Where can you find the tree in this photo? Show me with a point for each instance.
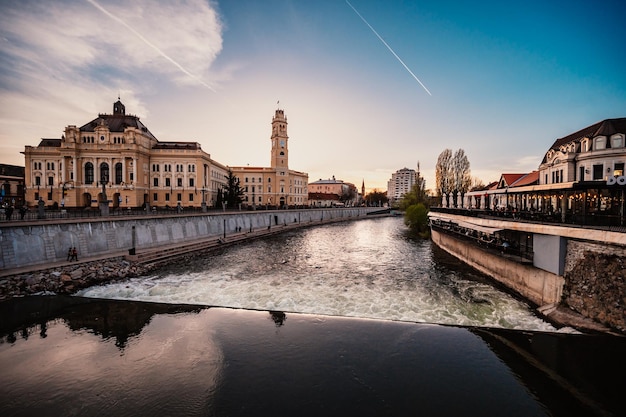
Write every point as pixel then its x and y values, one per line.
pixel 416 217
pixel 232 192
pixel 443 175
pixel 461 178
pixel 347 194
pixel 376 198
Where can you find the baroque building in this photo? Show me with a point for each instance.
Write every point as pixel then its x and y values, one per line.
pixel 276 185
pixel 115 158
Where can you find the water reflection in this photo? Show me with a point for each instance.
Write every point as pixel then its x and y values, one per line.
pixel 99 357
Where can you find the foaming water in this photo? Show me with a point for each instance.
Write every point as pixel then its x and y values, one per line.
pixel 366 269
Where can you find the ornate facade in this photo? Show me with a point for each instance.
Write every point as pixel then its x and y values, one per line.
pixel 115 158
pixel 276 185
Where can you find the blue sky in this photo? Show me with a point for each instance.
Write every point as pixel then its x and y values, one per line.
pixel 506 78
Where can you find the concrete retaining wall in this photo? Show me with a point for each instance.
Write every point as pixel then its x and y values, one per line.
pixel 538 286
pixel 32 243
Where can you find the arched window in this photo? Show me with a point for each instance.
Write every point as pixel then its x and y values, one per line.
pixel 104 172
pixel 118 173
pixel 617 141
pixel 88 173
pixel 599 143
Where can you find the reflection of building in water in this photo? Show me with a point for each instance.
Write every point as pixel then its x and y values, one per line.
pixel 118 152
pixel 118 319
pixel 579 180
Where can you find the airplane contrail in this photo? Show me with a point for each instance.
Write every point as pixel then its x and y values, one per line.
pixel 389 47
pixel 150 44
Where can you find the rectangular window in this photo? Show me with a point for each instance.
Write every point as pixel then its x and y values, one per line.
pixel 37 180
pixel 155 197
pixel 50 181
pixel 190 197
pixel 132 177
pixel 168 182
pixel 618 170
pixel 191 182
pixel 36 196
pixel 167 196
pixel 598 171
pixel 562 179
pixel 179 182
pixel 179 197
pixel 581 175
pixel 155 182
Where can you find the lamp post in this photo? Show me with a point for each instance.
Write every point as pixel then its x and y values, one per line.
pixel 203 204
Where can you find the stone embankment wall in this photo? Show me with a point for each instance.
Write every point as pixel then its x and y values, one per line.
pixel 595 282
pixel 70 278
pixel 538 286
pixel 23 244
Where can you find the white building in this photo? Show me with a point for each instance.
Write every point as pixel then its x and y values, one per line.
pixel 401 182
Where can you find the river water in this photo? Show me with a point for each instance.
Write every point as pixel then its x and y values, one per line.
pixel 340 339
pixel 367 269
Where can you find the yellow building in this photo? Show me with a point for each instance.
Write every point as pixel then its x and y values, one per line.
pixel 276 185
pixel 117 154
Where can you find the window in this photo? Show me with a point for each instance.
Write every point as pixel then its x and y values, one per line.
pixel 598 171
pixel 179 197
pixel 155 197
pixel 167 196
pixel 132 177
pixel 118 173
pixel 599 143
pixel 269 180
pixel 155 167
pixel 155 182
pixel 168 182
pixel 581 175
pixel 617 141
pixel 191 182
pixel 618 170
pixel 179 182
pixel 104 172
pixel 37 180
pixel 191 168
pixel 190 197
pixel 260 179
pixel 89 173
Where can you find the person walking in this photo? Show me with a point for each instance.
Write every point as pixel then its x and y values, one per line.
pixel 23 210
pixel 69 254
pixel 74 254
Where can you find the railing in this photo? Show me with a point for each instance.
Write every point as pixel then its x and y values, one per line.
pixel 93 212
pixel 596 220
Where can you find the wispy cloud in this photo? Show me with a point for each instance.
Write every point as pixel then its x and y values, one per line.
pixel 78 55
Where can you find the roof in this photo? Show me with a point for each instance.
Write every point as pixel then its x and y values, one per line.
pixel 506 180
pixel 11 170
pixel 116 123
pixel 50 142
pixel 531 178
pixel 606 127
pixel 177 145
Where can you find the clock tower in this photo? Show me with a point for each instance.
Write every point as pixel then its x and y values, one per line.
pixel 280 141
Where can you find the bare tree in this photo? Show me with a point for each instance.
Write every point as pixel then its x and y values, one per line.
pixel 461 177
pixel 443 175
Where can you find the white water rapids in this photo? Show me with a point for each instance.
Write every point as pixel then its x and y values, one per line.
pixel 366 268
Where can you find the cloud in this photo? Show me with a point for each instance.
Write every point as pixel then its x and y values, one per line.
pixel 82 41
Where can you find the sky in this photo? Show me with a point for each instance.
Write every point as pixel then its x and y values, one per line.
pixel 368 86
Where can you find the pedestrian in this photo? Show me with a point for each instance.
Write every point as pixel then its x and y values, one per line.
pixel 69 254
pixel 9 212
pixel 74 254
pixel 23 210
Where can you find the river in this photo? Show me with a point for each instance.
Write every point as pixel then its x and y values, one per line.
pixel 349 331
pixel 367 269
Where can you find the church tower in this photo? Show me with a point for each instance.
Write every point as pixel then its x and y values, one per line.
pixel 280 141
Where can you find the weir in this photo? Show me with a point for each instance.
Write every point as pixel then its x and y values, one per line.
pixel 42 242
